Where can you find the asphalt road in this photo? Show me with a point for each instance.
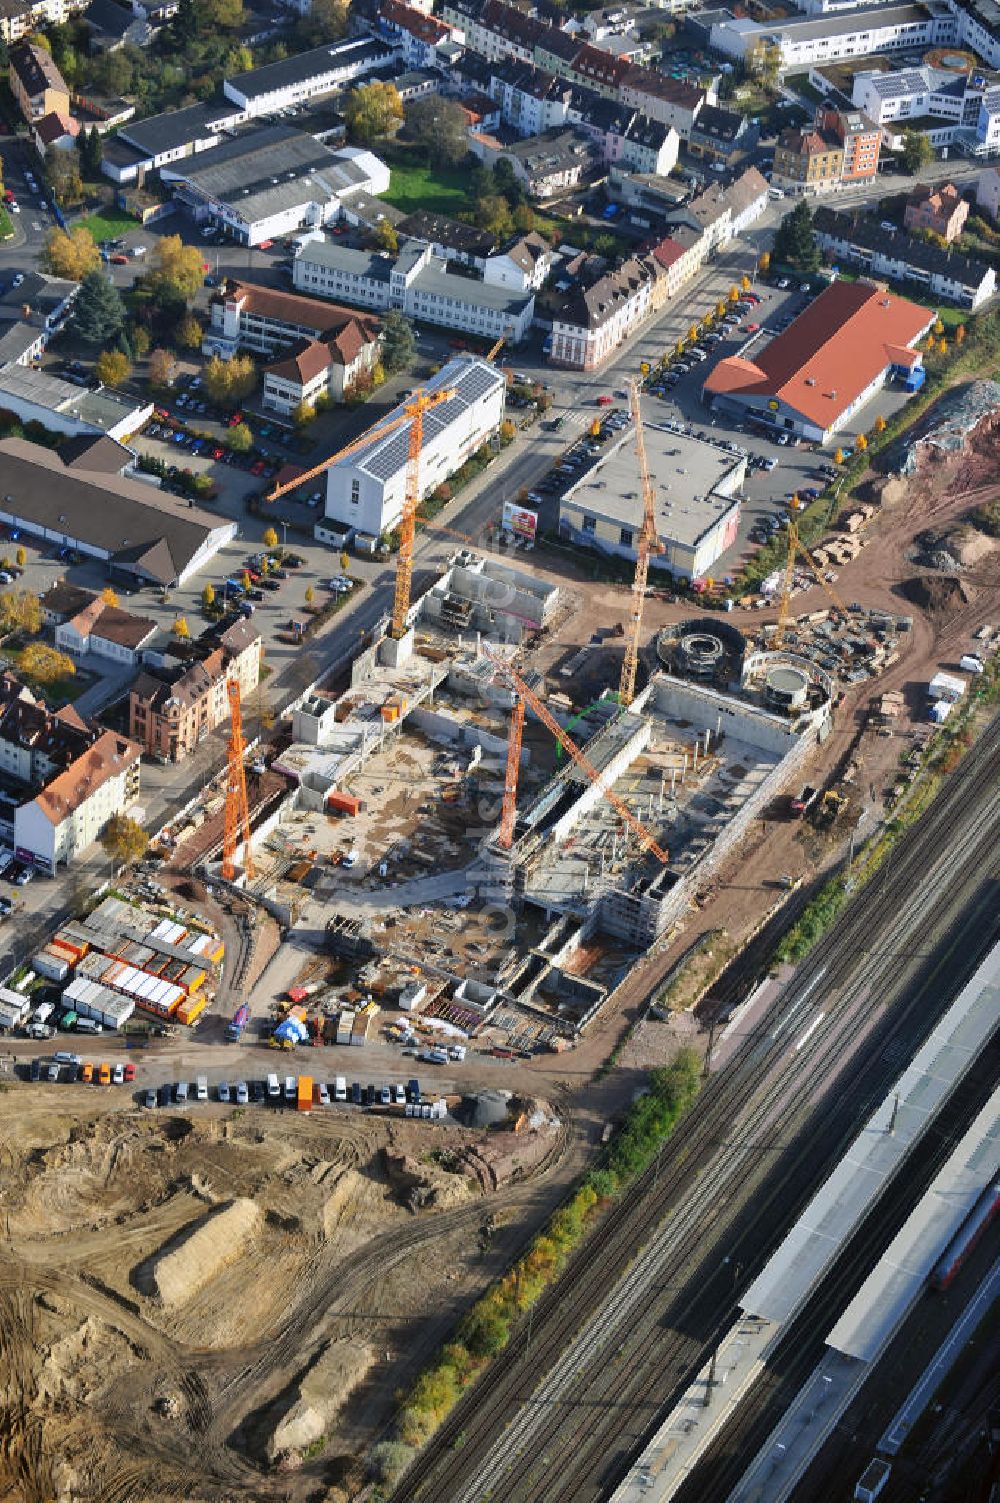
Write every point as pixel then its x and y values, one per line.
pixel 576 1395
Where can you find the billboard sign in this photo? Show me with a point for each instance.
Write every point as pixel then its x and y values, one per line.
pixel 520 520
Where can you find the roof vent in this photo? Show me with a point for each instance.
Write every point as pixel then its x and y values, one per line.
pixel 810 380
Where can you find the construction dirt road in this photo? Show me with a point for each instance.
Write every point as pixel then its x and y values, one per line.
pixel 187 1302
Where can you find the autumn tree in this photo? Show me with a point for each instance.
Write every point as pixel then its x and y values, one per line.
pixel 112 367
pixel 764 261
pixel 124 840
pixel 70 254
pixel 240 439
pixel 162 369
pixel 493 215
pixel 310 595
pixel 228 381
pixel 45 665
pixel 20 611
pixel 181 628
pixel 21 558
pixel 303 414
pixel 373 110
pixel 942 346
pixel 109 596
pixel 960 334
pixel 208 597
pixel 385 237
pixel 745 282
pixel 345 562
pixel 838 457
pixel 938 326
pixel 734 294
pixel 177 268
pixel 861 443
pixel 880 424
pixel 270 538
pixel 190 333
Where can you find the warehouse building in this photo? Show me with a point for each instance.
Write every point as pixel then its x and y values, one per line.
pixel 64 408
pixel 804 40
pixel 697 486
pixel 365 490
pixel 139 532
pixel 271 180
pixel 416 282
pixel 811 380
pixel 307 75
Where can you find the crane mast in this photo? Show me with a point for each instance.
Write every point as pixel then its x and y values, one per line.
pixel 237 815
pixel 648 542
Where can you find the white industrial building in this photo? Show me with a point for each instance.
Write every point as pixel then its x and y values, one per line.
pixel 272 180
pixel 833 29
pixel 365 490
pixel 697 485
pixel 307 75
pixel 418 283
pixel 949 107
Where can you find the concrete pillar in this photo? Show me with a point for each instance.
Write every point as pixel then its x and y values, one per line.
pixel 393 654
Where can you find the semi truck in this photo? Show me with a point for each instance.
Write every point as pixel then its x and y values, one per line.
pixel 237 1023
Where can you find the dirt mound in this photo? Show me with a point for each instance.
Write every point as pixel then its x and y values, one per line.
pixel 970 546
pixel 938 595
pixel 190 1262
pixel 319 1396
pixel 421 1185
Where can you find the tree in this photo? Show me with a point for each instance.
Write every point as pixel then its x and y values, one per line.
pixel 62 173
pixel 692 333
pixel 493 215
pixel 21 558
pixel 177 267
pixel 71 255
pixel 208 597
pixel 20 611
pixel 124 840
pixel 720 308
pixel 838 457
pixel 98 313
pixel 942 346
pixel 960 334
pixel 399 344
pixel 917 151
pixel 507 430
pixel 112 367
pixel 91 152
pixel 764 261
pixel 108 596
pixel 310 595
pixel 438 127
pixel 524 219
pixel 270 538
pixel 385 237
pixel 938 326
pixel 345 562
pixel 45 665
pixel 880 424
pixel 140 340
pixel 373 110
pixel 795 242
pixel 245 580
pixel 181 628
pixel 734 294
pixel 745 282
pixel 190 333
pixel 861 443
pixel 326 22
pixel 240 439
pixel 507 183
pixel 304 414
pixel 162 369
pixel 217 379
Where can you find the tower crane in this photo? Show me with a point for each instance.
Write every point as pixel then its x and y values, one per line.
pixel 649 542
pixel 412 413
pixel 509 808
pixel 798 549
pixel 529 698
pixel 237 814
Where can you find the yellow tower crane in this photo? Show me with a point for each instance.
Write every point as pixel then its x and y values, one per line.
pixel 798 549
pixel 649 542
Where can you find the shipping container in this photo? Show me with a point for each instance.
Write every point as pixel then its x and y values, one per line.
pixel 342 803
pixel 52 967
pixel 305 1094
pixel 345 1026
pixel 189 1011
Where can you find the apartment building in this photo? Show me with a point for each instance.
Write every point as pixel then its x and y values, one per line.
pixel 671 101
pixel 365 490
pixel 18 18
pixel 944 274
pixel 807 158
pixel 591 322
pixel 988 192
pixel 38 87
pixel 858 32
pixel 523 265
pixel 173 708
pixel 710 215
pixel 423 40
pixel 943 211
pixel 545 165
pixel 416 282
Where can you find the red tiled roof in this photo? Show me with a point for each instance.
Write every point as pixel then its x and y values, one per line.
pixel 830 355
pixel 289 307
pixel 424 28
pixel 305 362
pixel 109 755
pixel 667 252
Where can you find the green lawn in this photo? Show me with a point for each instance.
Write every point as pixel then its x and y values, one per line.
pixel 108 224
pixel 439 190
pixel 6 227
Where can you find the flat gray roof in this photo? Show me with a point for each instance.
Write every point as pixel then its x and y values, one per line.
pixel 261 172
pixel 876 1153
pixel 304 66
pixel 102 409
pixel 685 472
pixel 801 27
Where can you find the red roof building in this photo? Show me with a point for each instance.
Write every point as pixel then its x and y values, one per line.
pixel 810 381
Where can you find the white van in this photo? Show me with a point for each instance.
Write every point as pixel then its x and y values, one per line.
pixel 273 1088
pixel 201 1088
pixel 39 1031
pixel 89 1025
pixel 43 1012
pixel 773 192
pixel 340 1088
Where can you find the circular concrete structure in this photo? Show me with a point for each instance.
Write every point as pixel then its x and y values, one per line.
pixel 700 653
pixel 706 647
pixel 952 60
pixel 785 686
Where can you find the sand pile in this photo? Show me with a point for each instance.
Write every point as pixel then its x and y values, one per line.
pixel 200 1253
pixel 322 1391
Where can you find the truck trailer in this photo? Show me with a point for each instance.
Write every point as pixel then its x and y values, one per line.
pixel 237 1023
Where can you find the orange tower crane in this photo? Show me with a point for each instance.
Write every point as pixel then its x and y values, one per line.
pixel 509 809
pixel 237 821
pixel 649 542
pixel 412 413
pixel 528 696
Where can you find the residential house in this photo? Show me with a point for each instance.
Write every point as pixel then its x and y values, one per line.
pixel 38 87
pixel 523 265
pixel 590 322
pixel 669 100
pixel 18 18
pixel 944 274
pixel 531 100
pixel 679 255
pixel 449 238
pixel 747 199
pixel 172 709
pixel 600 71
pixel 545 165
pixel 710 214
pixel 650 146
pixel 860 139
pixel 719 134
pixel 112 26
pixel 807 158
pixel 418 36
pixel 943 211
pixel 55 130
pixel 107 631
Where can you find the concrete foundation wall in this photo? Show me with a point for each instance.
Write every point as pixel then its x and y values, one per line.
pixel 708 710
pixel 591 792
pixel 441 727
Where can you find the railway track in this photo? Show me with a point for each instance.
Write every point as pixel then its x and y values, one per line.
pixel 573 1398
